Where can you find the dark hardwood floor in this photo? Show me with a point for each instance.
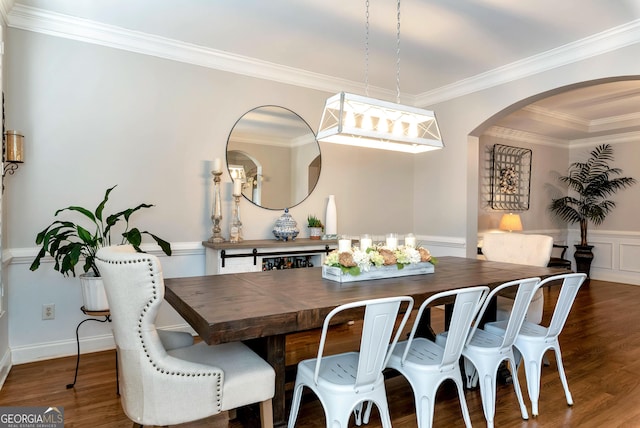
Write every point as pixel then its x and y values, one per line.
pixel 601 352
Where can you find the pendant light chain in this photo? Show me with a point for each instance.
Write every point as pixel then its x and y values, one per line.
pixel 366 51
pixel 361 121
pixel 398 60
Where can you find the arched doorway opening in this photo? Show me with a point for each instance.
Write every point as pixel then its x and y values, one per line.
pixel 557 125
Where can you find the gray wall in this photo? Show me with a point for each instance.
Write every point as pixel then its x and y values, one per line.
pixel 546 162
pixel 5 357
pixel 95 116
pixel 551 161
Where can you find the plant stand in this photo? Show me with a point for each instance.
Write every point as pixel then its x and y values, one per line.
pixel 584 257
pixel 107 318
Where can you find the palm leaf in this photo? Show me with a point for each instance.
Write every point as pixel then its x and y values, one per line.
pixel 592 182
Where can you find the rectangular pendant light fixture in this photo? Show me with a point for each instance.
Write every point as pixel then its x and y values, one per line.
pixel 368 122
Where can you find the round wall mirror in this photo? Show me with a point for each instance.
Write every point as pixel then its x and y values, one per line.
pixel 275 154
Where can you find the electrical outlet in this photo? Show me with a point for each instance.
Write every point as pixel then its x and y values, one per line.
pixel 48 311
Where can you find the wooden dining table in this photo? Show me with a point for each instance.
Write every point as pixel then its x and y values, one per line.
pixel 265 307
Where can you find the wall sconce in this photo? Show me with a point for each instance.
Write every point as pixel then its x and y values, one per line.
pixel 12 151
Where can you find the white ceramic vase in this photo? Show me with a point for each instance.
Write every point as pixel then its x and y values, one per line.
pixel 331 218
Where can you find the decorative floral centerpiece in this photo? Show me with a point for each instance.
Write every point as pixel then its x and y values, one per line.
pixel 356 261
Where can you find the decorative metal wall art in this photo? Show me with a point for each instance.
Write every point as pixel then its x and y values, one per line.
pixel 510 178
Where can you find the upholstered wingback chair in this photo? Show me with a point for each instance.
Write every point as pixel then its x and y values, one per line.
pixel 522 249
pixel 160 387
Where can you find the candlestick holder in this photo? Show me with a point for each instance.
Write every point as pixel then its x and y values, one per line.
pixel 216 214
pixel 235 232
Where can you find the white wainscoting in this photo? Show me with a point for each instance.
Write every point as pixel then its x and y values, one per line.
pixel 617 259
pixel 33 339
pixel 616 255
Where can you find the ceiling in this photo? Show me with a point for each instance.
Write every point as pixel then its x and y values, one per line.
pixel 447 48
pixel 576 115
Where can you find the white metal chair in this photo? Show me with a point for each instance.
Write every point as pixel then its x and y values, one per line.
pixel 426 364
pixel 160 387
pixel 484 351
pixel 524 249
pixel 534 340
pixel 344 382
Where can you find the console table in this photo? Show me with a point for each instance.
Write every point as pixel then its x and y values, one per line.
pixel 265 254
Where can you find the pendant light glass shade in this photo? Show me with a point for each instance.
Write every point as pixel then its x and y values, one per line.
pixel 368 122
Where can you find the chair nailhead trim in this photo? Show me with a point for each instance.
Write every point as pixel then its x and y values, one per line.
pixel 141 319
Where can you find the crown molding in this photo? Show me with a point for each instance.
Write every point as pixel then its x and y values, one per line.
pixel 597 44
pixel 581 124
pixel 614 121
pixel 511 134
pixel 628 137
pixel 84 30
pixel 568 120
pixel 5 7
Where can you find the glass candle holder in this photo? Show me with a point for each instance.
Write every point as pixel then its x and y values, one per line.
pixel 235 227
pixel 365 242
pixel 344 245
pixel 410 240
pixel 392 241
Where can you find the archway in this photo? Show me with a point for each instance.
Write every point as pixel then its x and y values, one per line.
pixel 606 93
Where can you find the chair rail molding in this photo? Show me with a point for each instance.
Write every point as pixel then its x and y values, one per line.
pixel 617 259
pixel 26 255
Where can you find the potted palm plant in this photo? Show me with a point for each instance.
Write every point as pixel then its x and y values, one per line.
pixel 591 183
pixel 68 242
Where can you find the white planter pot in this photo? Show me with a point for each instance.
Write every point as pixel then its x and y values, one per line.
pixel 315 232
pixel 93 294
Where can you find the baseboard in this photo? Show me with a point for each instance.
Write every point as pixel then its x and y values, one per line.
pixel 631 278
pixel 66 348
pixel 63 348
pixel 5 367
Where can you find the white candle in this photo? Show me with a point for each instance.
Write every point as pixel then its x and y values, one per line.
pixel 217 165
pixel 237 187
pixel 344 245
pixel 410 240
pixel 365 242
pixel 392 241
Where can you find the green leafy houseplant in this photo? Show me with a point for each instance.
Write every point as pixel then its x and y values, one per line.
pixel 315 227
pixel 313 221
pixel 592 183
pixel 67 242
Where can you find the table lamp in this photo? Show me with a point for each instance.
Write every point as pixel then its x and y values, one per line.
pixel 510 222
